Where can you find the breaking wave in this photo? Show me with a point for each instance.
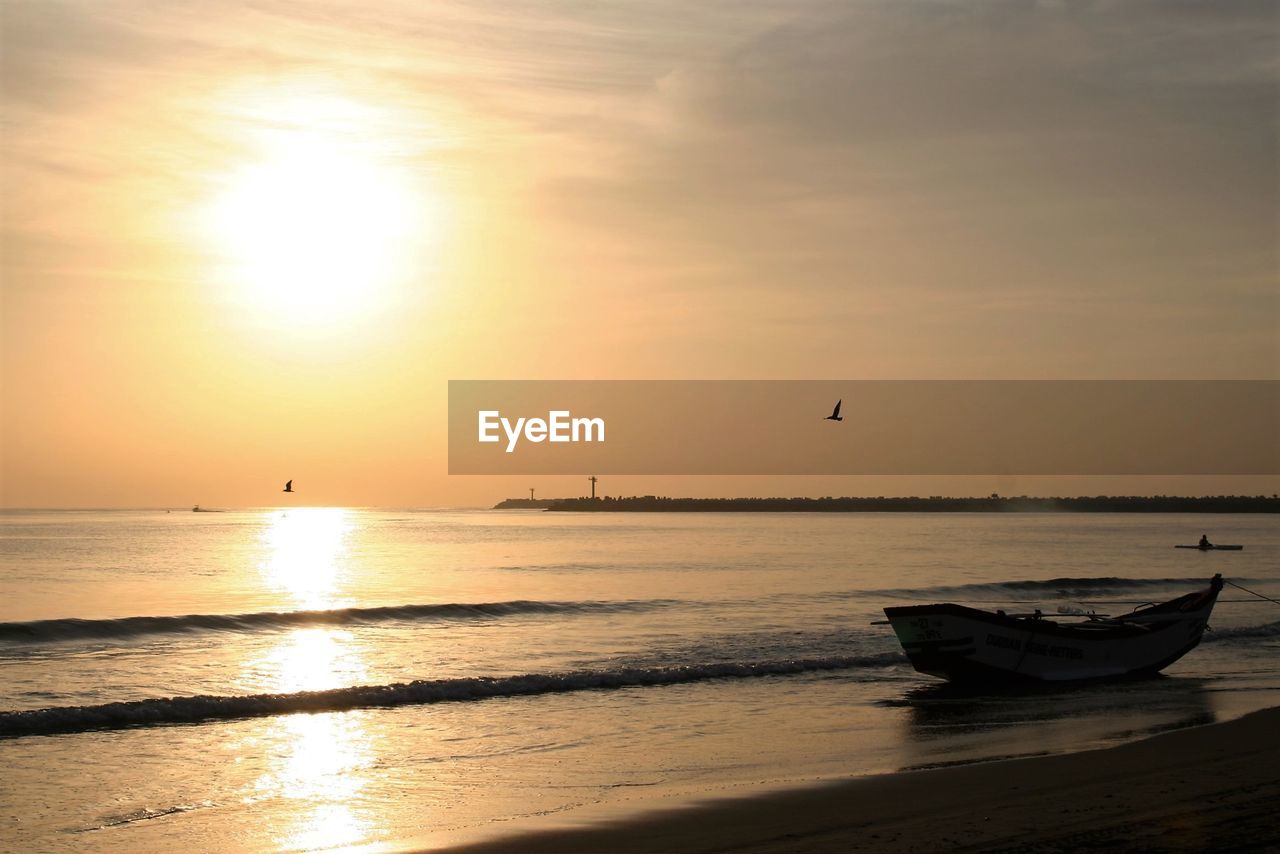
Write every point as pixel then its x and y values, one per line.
pixel 38 631
pixel 185 710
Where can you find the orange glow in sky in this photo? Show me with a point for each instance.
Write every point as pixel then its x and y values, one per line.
pixel 256 244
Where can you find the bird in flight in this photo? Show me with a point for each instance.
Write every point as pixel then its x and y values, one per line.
pixel 835 413
pixel 288 487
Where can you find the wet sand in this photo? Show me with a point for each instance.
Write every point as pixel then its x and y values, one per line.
pixel 1211 788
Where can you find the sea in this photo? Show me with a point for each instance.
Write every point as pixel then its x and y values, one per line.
pixel 299 679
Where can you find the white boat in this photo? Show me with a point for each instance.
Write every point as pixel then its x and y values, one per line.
pixel 967 644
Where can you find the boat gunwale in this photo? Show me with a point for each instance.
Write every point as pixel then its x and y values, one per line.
pixel 1098 630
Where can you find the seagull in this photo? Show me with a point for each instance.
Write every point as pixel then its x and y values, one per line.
pixel 835 413
pixel 288 487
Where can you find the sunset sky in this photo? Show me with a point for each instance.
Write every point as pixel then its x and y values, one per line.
pixel 251 241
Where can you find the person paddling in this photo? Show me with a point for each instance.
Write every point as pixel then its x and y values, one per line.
pixel 1204 542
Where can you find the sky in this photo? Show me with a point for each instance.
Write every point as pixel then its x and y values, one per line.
pixel 251 241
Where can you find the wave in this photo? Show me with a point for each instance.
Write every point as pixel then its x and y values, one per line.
pixel 144 814
pixel 39 631
pixel 1266 630
pixel 186 710
pixel 1073 587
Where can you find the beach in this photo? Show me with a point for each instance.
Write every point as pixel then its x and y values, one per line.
pixel 1207 788
pixel 388 680
pixel 639 426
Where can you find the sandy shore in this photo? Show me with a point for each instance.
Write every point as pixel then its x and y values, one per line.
pixel 1212 788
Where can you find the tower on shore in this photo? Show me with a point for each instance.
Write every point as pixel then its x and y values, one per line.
pixel 593 485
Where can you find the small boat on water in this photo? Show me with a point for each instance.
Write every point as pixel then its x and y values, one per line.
pixel 967 644
pixel 1213 548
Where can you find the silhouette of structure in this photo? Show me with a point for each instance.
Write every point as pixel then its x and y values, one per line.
pixel 531 503
pixel 932 504
pixel 593 487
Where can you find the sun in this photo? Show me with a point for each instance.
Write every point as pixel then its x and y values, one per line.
pixel 323 221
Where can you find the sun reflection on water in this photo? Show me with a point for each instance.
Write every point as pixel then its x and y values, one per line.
pixel 312 659
pixel 318 764
pixel 306 554
pixel 322 773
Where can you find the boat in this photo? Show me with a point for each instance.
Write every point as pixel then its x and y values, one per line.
pixel 970 645
pixel 199 509
pixel 1213 548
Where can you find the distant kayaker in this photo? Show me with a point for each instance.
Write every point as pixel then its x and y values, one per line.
pixel 1204 542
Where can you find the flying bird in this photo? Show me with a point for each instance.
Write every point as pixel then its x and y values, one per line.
pixel 288 487
pixel 835 413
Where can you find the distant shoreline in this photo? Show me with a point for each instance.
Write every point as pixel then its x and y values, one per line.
pixel 933 504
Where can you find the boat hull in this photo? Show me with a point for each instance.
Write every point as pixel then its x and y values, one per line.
pixel 966 644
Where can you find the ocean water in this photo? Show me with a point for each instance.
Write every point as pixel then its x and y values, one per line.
pixel 315 678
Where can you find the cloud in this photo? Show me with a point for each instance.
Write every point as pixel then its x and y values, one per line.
pixel 974 144
pixel 908 165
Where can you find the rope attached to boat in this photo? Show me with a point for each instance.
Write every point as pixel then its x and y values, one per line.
pixel 1254 592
